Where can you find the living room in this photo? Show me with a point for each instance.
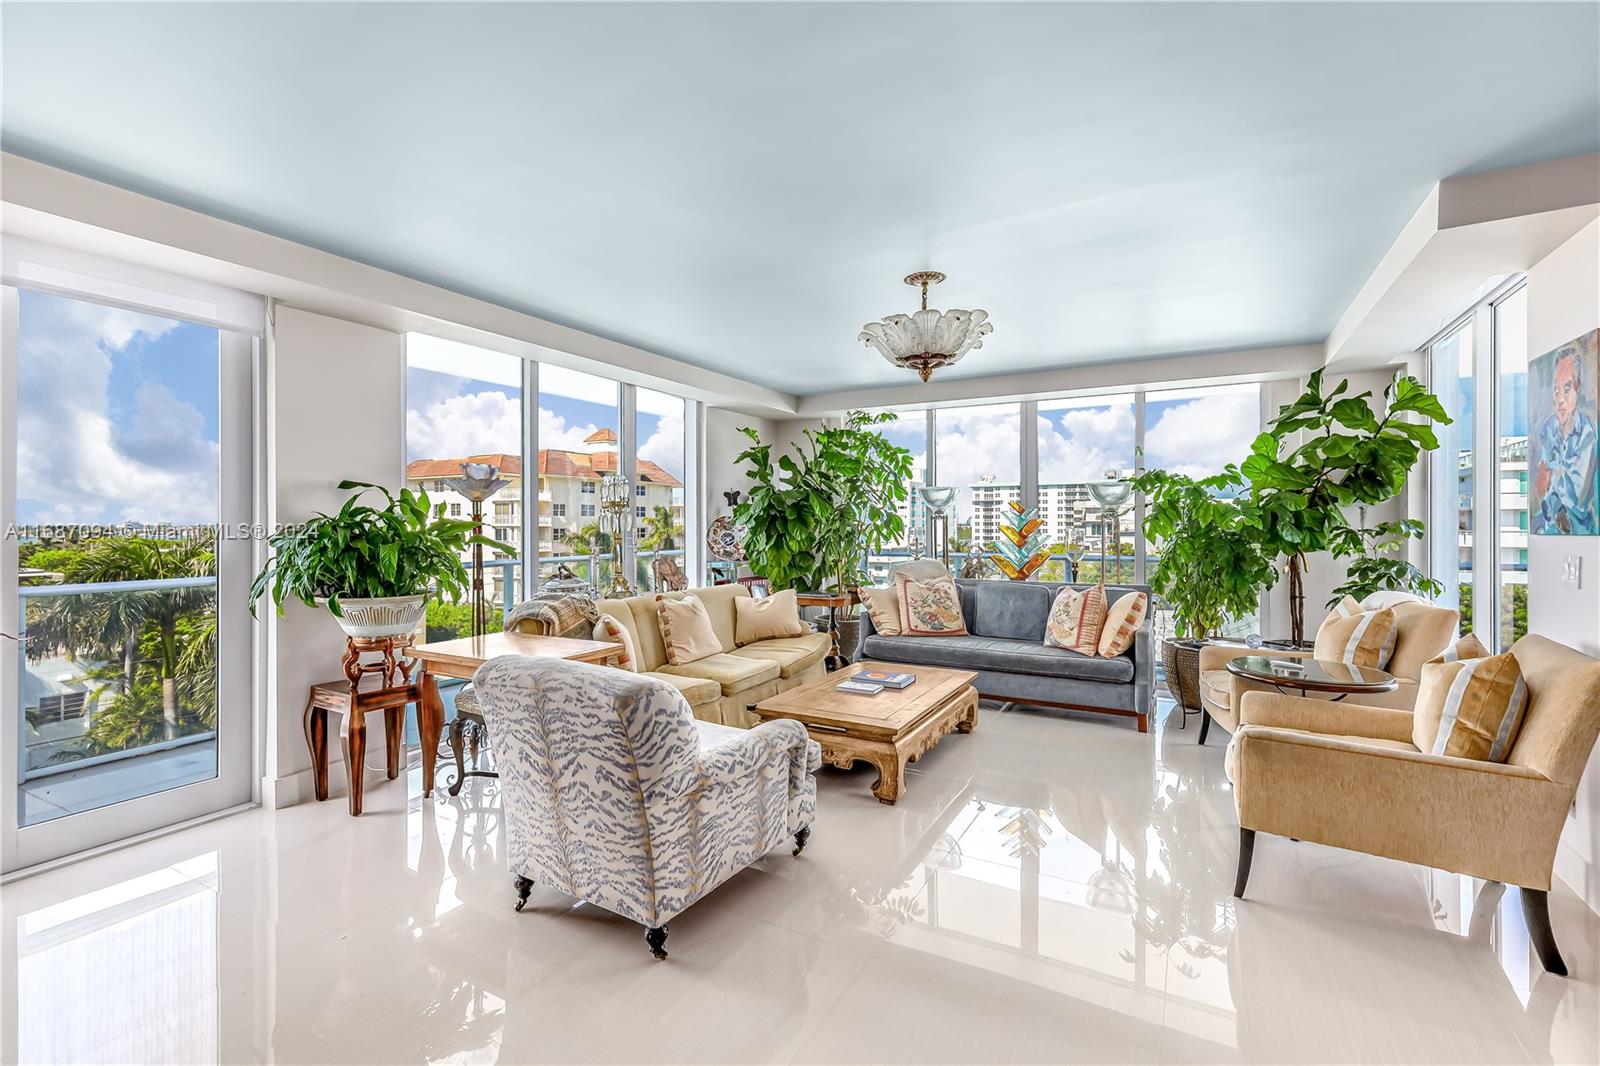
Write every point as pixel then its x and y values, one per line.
pixel 1085 550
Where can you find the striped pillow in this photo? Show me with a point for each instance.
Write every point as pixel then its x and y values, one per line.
pixel 1347 608
pixel 1470 709
pixel 1468 647
pixel 1076 618
pixel 1123 620
pixel 1365 638
pixel 608 628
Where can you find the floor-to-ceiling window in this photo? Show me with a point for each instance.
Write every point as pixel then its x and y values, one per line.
pixel 660 471
pixel 464 404
pixel 909 430
pixel 1478 367
pixel 124 442
pixel 978 451
pixel 579 440
pixel 1082 441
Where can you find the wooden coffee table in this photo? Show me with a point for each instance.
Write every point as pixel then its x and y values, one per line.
pixel 888 730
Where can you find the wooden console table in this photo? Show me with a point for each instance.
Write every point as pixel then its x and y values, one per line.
pixel 461 658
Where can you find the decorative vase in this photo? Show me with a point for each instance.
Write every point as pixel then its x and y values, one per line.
pixel 384 616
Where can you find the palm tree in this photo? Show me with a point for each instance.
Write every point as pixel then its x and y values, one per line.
pixel 113 622
pixel 661 530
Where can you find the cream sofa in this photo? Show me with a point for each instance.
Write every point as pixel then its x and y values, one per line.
pixel 1351 777
pixel 1422 631
pixel 720 688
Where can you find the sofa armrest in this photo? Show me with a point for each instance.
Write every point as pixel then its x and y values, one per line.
pixel 1489 820
pixel 1144 666
pixel 1322 716
pixel 864 630
pixel 733 757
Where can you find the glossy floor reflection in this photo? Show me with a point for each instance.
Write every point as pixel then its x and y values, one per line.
pixel 1053 888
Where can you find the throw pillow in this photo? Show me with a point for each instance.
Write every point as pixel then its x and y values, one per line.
pixel 884 610
pixel 1471 709
pixel 1123 620
pixel 1468 647
pixel 1076 619
pixel 686 629
pixel 1365 638
pixel 608 628
pixel 1348 608
pixel 777 615
pixel 929 608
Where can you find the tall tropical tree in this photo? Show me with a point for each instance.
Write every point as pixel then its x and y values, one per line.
pixel 661 530
pixel 130 624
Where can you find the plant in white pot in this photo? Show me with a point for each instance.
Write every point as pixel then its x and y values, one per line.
pixel 372 567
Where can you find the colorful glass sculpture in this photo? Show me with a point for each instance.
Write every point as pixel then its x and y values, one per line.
pixel 1020 548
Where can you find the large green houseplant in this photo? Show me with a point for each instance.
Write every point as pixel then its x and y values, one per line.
pixel 390 556
pixel 1299 496
pixel 811 517
pixel 1207 569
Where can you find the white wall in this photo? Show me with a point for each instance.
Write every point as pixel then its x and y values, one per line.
pixel 1564 302
pixel 333 411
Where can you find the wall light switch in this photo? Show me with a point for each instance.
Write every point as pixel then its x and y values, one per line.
pixel 1572 572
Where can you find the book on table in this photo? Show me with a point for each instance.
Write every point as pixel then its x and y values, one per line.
pixel 885 678
pixel 860 688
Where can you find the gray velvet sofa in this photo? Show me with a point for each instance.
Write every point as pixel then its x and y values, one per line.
pixel 1005 647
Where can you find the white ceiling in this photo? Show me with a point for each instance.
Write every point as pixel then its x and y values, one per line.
pixel 741 186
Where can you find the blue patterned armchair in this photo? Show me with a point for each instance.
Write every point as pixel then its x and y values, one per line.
pixel 614 793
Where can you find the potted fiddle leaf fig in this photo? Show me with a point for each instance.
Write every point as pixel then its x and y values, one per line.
pixel 1350 456
pixel 812 517
pixel 1207 569
pixel 372 567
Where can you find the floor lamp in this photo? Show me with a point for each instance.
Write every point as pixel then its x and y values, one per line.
pixel 1110 495
pixel 478 481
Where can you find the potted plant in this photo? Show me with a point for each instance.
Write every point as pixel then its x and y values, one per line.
pixel 812 517
pixel 1208 570
pixel 372 567
pixel 1351 456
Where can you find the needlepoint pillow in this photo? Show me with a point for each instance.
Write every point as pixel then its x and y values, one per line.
pixel 1076 619
pixel 884 609
pixel 930 608
pixel 1468 647
pixel 1123 620
pixel 777 615
pixel 608 628
pixel 1471 708
pixel 686 629
pixel 1361 638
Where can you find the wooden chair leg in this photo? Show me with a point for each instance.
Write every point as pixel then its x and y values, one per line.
pixel 1247 851
pixel 1536 912
pixel 394 724
pixel 353 738
pixel 316 727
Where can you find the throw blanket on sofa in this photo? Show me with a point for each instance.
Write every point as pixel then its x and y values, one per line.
pixel 555 615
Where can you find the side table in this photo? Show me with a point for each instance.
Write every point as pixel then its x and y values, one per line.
pixel 833 601
pixel 384 686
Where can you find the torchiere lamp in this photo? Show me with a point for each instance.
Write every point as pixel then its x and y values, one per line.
pixel 478 481
pixel 616 497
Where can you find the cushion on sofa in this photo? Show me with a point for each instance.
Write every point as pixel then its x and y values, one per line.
pixel 734 673
pixel 697 690
pixel 792 654
pixel 769 618
pixel 1000 655
pixel 1016 610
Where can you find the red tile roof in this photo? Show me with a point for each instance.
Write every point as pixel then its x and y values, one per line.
pixel 552 463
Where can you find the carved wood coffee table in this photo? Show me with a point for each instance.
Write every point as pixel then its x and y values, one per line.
pixel 888 730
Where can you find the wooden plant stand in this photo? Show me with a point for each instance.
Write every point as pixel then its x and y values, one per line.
pixel 383 685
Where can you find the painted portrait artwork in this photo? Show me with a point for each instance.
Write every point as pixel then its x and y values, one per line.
pixel 1563 448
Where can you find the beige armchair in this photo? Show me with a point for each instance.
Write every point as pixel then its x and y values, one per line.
pixel 1422 631
pixel 1350 777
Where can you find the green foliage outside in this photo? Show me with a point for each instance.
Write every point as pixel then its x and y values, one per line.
pixel 810 518
pixel 156 649
pixel 448 620
pixel 1513 604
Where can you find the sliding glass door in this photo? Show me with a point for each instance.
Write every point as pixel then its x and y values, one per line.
pixel 125 669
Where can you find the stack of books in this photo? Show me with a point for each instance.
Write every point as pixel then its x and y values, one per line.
pixel 872 682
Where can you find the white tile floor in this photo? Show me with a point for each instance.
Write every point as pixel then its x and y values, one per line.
pixel 1052 888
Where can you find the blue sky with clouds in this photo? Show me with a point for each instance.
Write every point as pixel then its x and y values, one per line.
pixel 116 415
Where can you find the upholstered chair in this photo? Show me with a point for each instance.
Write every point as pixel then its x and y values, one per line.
pixel 1350 776
pixel 1422 630
pixel 614 793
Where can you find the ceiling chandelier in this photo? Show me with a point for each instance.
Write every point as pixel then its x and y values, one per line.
pixel 928 339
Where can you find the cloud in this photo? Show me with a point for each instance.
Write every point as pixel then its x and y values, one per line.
pixel 1085 443
pixel 974 443
pixel 473 423
pixel 1199 437
pixel 556 432
pixel 75 463
pixel 665 445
